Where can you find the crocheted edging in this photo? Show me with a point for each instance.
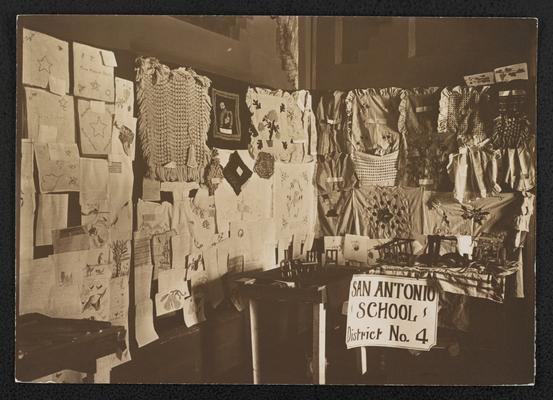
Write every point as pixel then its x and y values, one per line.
pixel 151 68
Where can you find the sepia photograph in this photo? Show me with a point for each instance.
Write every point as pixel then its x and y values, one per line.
pixel 275 199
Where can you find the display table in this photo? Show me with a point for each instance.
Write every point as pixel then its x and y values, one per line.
pixel 329 284
pixel 47 345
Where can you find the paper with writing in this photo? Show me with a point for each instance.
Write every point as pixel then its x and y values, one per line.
pixel 52 214
pixel 144 323
pixel 75 238
pixel 36 279
pixel 92 79
pixel 45 108
pixel 61 173
pixel 151 190
pixel 44 56
pixel 95 127
pixel 94 178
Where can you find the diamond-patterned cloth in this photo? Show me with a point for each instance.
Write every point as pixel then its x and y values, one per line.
pixel 236 172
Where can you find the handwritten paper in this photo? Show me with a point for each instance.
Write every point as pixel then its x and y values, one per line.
pixel 36 279
pixel 44 57
pixel 52 214
pixel 75 238
pixel 94 178
pixel 142 283
pixel 92 79
pixel 151 190
pixel 144 323
pixel 43 108
pixel 180 248
pixel 58 167
pixel 124 101
pixel 121 180
pixel 47 134
pixel 95 124
pixel 26 202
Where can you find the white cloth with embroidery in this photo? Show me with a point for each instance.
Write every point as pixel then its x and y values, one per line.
pixel 278 124
pixel 252 204
pixel 294 199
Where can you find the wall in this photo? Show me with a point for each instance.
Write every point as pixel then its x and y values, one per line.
pixel 253 57
pixel 407 52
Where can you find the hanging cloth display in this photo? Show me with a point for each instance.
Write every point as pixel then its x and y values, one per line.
pixel 423 153
pixel 373 120
pixel 331 122
pixel 174 110
pixel 464 111
pixel 277 125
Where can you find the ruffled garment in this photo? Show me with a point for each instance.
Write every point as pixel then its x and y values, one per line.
pixel 474 172
pixel 463 112
pixel 174 111
pixel 373 120
pixel 278 126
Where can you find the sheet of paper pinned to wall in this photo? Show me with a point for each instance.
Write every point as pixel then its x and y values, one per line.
pixel 94 178
pixel 75 238
pixel 120 257
pixel 36 279
pixel 52 214
pixel 153 218
pixel 54 115
pixel 142 250
pixel 194 308
pixel 119 314
pixel 44 57
pixel 121 180
pixel 142 283
pixel 58 167
pixel 123 139
pixel 92 79
pixel 95 293
pixel 26 201
pixel 151 189
pixel 180 248
pixel 95 126
pixel 124 101
pixel 144 323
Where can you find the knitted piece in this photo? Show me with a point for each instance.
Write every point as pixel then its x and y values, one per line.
pixel 376 170
pixel 236 172
pixel 264 165
pixel 174 111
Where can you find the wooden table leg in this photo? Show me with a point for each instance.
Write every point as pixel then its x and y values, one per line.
pixel 255 340
pixel 362 360
pixel 319 344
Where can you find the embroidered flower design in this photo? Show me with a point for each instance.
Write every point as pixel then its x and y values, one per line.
pixel 476 214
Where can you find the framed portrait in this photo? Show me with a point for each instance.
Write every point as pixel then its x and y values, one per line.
pixel 226 116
